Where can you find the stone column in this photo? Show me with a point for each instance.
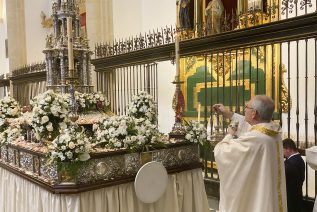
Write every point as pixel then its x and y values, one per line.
pixel 99 19
pixel 16 33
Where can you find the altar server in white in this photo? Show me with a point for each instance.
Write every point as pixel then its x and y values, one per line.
pixel 251 167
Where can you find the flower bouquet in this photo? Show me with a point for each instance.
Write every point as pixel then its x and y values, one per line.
pixel 196 132
pixel 49 115
pixel 143 106
pixel 69 150
pixel 147 138
pixel 10 134
pixel 114 132
pixel 92 101
pixel 9 108
pixel 126 132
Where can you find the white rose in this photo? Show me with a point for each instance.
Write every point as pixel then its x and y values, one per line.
pixel 117 144
pixel 36 109
pixel 62 157
pixel 2 121
pixel 6 100
pixel 133 138
pixel 42 102
pixel 48 98
pixel 63 125
pixel 44 119
pixel 37 136
pixel 49 127
pixel 71 145
pixel 188 136
pixel 69 154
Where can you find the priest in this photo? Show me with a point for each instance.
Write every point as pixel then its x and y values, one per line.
pixel 251 166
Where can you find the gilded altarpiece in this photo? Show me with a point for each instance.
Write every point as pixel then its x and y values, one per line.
pixel 233 83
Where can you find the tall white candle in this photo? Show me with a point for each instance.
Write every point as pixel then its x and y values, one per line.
pixel 177 13
pixel 70 47
pixel 196 14
pixel 198 109
pixel 177 54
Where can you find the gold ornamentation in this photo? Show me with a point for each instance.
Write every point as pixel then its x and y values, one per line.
pixel 270 132
pixel 36 164
pixel 46 22
pixel 145 157
pixel 279 179
pixel 67 172
pixel 17 157
pixel 224 62
pixel 102 168
pixel 189 62
pixel 284 93
pixel 265 130
pixel 49 41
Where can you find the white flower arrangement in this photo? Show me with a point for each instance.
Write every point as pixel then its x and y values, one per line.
pixel 114 132
pixel 196 132
pixel 3 124
pixel 9 108
pixel 143 105
pixel 50 112
pixel 148 137
pixel 72 145
pixel 125 132
pixel 92 101
pixel 10 134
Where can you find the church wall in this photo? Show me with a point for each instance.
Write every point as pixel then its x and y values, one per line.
pixel 132 17
pixel 34 32
pixel 127 18
pixel 99 21
pixel 157 14
pixel 16 33
pixel 4 62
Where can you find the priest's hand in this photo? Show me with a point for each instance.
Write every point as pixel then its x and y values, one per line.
pixel 232 131
pixel 220 109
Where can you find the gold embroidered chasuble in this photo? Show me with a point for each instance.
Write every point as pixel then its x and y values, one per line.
pixel 251 169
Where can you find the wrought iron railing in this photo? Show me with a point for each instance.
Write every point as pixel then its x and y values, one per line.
pixel 119 85
pixel 254 16
pixel 27 69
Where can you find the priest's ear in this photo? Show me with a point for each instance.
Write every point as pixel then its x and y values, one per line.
pixel 255 114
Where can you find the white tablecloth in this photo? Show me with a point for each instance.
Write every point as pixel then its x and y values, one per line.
pixel 185 193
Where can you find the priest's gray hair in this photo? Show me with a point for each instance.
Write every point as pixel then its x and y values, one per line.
pixel 264 105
